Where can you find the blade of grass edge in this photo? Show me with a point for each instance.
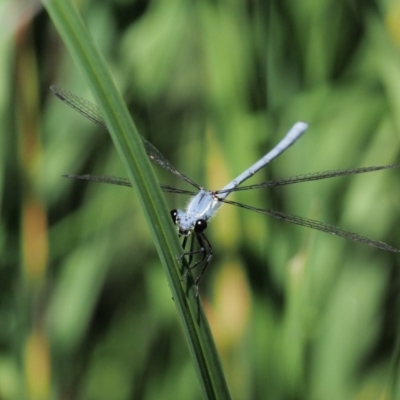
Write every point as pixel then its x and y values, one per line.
pixel 130 149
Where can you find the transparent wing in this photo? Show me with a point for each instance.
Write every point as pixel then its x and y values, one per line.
pixel 312 177
pixel 113 180
pixel 92 112
pixel 320 226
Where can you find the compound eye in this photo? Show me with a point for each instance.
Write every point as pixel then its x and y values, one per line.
pixel 200 225
pixel 174 215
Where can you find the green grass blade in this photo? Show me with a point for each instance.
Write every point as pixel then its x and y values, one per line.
pixel 127 141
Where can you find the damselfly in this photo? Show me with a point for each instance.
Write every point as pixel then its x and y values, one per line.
pixel 192 222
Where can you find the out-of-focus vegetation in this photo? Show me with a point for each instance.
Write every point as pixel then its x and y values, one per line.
pixel 85 309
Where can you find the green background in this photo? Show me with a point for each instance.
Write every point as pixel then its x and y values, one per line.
pixel 85 309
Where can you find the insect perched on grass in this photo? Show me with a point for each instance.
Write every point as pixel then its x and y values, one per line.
pixel 192 222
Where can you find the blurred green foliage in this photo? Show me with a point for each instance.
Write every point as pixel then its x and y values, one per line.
pixel 85 310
